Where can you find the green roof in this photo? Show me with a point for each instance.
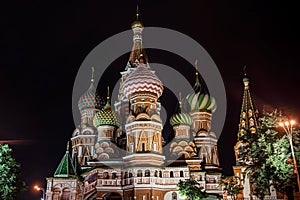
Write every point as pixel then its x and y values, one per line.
pixel 65 168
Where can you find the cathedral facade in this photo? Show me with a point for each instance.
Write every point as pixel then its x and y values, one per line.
pixel 117 151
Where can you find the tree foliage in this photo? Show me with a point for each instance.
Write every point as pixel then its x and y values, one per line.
pixel 269 150
pixel 10 183
pixel 191 189
pixel 231 185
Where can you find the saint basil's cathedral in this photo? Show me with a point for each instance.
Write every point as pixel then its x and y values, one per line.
pixel 117 153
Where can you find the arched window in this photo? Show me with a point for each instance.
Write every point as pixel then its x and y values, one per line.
pixel 160 174
pixel 181 173
pixel 243 123
pixel 251 122
pixel 155 173
pixel 105 175
pixel 114 175
pixel 66 194
pixel 171 174
pixel 147 173
pixel 130 174
pixel 174 196
pixel 56 194
pixel 139 173
pixel 250 113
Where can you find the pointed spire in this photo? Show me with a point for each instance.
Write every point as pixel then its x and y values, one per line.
pixel 137 48
pixel 248 122
pixel 65 167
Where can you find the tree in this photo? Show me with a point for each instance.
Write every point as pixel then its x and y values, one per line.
pixel 10 183
pixel 269 151
pixel 191 189
pixel 231 185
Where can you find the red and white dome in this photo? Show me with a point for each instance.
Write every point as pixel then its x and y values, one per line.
pixel 142 80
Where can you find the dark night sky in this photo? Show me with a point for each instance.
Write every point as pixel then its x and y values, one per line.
pixel 44 44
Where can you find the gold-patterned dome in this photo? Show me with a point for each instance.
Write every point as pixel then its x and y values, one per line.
pixel 137 24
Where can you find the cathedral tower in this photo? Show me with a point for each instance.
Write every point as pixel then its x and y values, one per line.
pixel 144 125
pixel 122 106
pixel 183 145
pixel 85 135
pixel 66 183
pixel 202 106
pixel 247 125
pixel 107 125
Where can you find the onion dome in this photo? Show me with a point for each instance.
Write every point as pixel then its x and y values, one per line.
pixel 200 99
pixel 142 80
pixel 180 118
pixel 106 117
pixel 90 98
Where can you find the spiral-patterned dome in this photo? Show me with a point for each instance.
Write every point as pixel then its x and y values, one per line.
pixel 90 99
pixel 142 80
pixel 181 119
pixel 200 99
pixel 106 117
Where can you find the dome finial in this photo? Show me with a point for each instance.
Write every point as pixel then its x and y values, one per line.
pixel 245 78
pixel 244 70
pixel 196 66
pixel 180 102
pixel 68 146
pixel 197 73
pixel 108 96
pixel 137 22
pixel 93 71
pixel 137 12
pixel 107 106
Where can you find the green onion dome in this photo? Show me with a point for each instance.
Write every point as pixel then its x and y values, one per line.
pixel 106 117
pixel 200 99
pixel 181 119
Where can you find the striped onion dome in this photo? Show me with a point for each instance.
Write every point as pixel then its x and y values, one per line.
pixel 142 80
pixel 90 99
pixel 200 99
pixel 181 119
pixel 106 117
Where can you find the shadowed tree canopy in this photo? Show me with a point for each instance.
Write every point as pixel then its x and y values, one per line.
pixel 270 151
pixel 232 186
pixel 10 184
pixel 191 189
